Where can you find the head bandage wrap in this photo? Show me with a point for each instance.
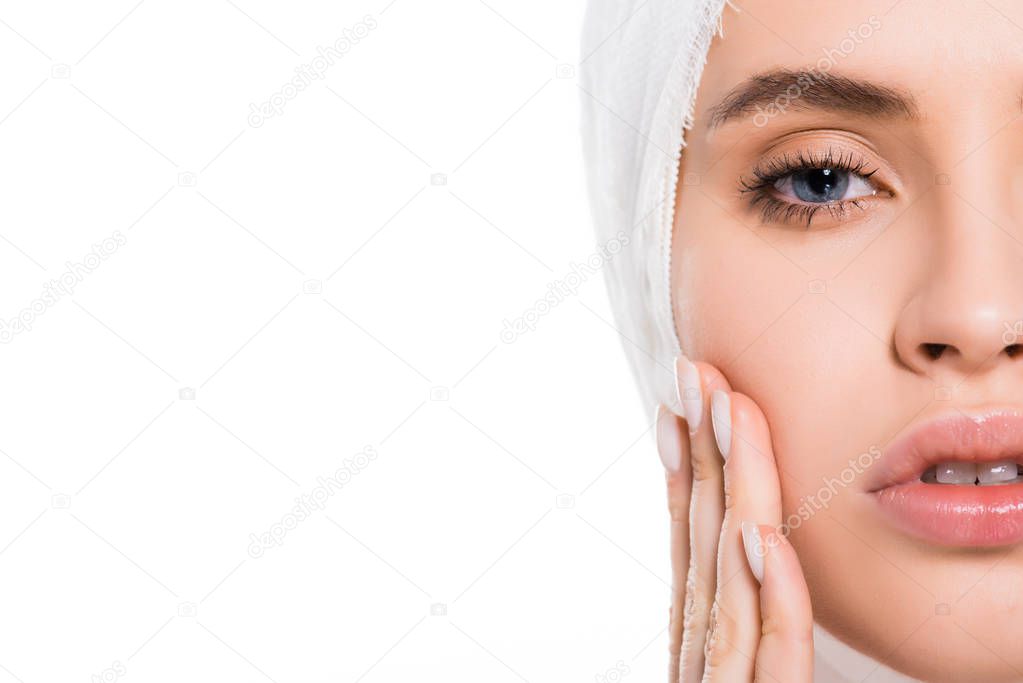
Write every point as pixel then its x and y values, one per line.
pixel 641 65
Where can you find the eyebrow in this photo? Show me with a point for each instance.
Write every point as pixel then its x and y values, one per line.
pixel 774 92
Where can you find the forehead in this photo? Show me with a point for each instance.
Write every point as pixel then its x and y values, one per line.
pixel 951 56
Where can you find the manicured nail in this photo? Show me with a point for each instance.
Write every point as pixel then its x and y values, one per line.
pixel 687 386
pixel 721 417
pixel 754 547
pixel 668 434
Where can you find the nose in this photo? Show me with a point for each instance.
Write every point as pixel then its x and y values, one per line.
pixel 965 316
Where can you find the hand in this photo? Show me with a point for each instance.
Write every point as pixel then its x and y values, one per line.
pixel 740 608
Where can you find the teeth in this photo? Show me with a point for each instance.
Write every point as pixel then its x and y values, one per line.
pixel 996 472
pixel 983 474
pixel 956 473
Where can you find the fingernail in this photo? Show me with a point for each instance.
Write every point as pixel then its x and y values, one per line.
pixel 721 417
pixel 687 386
pixel 754 547
pixel 668 435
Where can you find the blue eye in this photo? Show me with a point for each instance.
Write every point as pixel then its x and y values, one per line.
pixel 823 185
pixel 795 188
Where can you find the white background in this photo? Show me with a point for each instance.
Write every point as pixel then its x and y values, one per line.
pixel 512 525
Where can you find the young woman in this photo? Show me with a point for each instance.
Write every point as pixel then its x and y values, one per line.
pixel 822 298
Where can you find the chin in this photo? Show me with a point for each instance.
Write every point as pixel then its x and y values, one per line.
pixel 928 611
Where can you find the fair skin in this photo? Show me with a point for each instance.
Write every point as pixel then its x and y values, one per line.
pixel 837 312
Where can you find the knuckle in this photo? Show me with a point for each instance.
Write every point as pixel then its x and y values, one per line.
pixel 731 497
pixel 799 632
pixel 719 645
pixel 706 470
pixel 678 509
pixel 696 602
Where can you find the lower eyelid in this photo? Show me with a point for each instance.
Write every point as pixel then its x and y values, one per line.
pixel 780 211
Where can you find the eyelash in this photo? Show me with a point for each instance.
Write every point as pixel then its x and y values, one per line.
pixel 764 175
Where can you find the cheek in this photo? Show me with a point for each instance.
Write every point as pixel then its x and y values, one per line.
pixel 817 375
pixel 728 285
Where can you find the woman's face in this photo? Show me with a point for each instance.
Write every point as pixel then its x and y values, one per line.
pixel 876 290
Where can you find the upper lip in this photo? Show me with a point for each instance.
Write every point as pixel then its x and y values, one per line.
pixel 962 436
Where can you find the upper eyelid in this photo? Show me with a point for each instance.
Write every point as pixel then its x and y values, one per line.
pixel 808 158
pixel 770 170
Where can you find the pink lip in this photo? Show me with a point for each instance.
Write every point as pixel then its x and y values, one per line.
pixel 946 514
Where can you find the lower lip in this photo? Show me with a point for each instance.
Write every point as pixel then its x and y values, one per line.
pixel 949 514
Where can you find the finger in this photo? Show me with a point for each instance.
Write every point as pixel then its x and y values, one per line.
pixel 706 510
pixel 673 449
pixel 752 492
pixel 786 644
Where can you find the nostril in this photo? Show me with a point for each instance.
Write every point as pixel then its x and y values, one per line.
pixel 1012 350
pixel 934 351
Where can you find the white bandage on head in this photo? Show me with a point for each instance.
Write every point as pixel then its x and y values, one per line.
pixel 640 66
